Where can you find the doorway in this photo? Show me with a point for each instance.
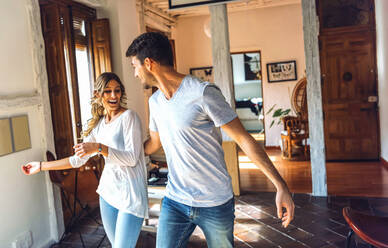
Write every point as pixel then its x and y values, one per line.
pixel 349 79
pixel 248 91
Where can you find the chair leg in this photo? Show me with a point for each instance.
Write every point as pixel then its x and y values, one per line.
pixel 289 149
pixel 349 238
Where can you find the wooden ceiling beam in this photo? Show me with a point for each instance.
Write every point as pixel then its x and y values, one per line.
pixel 158 11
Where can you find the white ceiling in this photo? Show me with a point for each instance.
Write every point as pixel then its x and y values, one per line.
pixel 234 6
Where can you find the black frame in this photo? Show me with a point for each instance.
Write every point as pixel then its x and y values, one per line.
pixel 201 2
pixel 295 76
pixel 203 69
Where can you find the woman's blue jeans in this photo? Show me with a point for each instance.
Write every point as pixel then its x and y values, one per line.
pixel 177 222
pixel 122 228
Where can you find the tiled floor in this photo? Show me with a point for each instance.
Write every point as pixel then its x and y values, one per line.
pixel 318 223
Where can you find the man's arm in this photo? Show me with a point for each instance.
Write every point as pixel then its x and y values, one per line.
pixel 152 144
pixel 255 152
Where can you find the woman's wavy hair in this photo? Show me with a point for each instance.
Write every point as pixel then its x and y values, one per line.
pixel 98 110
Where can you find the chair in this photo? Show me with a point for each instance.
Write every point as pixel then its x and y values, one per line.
pixel 58 177
pixel 296 131
pixel 371 229
pixel 294 138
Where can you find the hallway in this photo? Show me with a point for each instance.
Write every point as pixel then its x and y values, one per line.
pixel 343 178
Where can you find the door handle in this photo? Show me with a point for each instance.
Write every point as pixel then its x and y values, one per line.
pixel 372 98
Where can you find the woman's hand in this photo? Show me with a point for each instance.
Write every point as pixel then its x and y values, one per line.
pixel 31 168
pixel 87 148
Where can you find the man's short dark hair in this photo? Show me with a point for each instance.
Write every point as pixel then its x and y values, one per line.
pixel 151 45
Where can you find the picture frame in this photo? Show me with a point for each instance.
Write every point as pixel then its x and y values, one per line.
pixel 282 71
pixel 252 66
pixel 204 73
pixel 177 4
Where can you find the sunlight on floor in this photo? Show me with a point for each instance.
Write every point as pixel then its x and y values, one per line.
pixel 245 162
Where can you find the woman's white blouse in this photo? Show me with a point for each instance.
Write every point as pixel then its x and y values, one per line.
pixel 123 181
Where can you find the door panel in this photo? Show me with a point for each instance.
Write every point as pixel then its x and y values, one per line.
pixel 349 80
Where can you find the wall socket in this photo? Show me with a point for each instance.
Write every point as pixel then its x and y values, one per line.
pixel 23 240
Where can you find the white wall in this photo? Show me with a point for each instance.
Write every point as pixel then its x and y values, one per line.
pixel 277 32
pixel 382 63
pixel 124 28
pixel 25 204
pixel 28 203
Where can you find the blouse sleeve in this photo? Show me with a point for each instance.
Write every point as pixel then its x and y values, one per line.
pixel 133 143
pixel 76 161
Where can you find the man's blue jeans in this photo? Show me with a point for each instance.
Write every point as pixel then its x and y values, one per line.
pixel 177 222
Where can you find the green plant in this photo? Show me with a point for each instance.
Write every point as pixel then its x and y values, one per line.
pixel 277 114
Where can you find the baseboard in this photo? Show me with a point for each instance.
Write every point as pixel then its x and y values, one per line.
pixel 272 147
pixel 385 162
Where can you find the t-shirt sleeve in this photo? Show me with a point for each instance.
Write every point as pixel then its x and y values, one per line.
pixel 76 161
pixel 216 107
pixel 133 143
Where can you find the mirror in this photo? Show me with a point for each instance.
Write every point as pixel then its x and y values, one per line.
pixel 247 78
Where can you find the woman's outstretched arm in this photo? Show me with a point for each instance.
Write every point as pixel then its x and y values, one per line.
pixel 35 167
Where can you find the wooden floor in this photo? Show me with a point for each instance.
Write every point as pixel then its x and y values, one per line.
pixel 318 220
pixel 318 223
pixel 343 178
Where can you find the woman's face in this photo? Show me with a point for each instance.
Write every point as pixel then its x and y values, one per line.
pixel 111 96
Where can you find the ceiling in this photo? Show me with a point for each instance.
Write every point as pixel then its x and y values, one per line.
pixel 241 5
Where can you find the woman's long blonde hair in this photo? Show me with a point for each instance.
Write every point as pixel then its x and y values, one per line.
pixel 98 110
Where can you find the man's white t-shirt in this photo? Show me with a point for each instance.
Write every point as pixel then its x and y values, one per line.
pixel 188 126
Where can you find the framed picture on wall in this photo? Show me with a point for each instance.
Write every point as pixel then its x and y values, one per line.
pixel 281 71
pixel 203 73
pixel 252 66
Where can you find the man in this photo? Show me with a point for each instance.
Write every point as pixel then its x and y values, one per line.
pixel 185 116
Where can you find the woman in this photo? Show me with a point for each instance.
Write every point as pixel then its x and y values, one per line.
pixel 115 133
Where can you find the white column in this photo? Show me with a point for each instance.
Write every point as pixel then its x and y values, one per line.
pixel 314 98
pixel 222 63
pixel 222 68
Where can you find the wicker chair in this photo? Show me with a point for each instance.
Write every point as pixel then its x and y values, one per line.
pixel 296 131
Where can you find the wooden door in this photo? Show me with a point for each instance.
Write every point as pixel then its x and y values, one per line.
pixel 349 93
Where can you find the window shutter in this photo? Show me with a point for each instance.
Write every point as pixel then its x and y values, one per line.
pixel 101 46
pixel 53 28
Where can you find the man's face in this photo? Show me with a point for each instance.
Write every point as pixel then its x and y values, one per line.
pixel 141 72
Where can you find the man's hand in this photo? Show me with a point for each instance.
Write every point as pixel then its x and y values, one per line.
pixel 284 200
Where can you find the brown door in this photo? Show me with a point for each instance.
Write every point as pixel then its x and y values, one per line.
pixel 349 91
